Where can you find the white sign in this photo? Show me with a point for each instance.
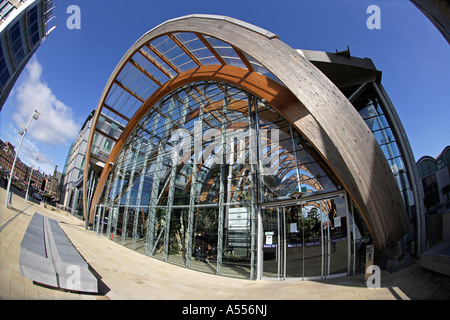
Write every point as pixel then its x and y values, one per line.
pixel 238 218
pixel 269 239
pixel 337 222
pixel 294 227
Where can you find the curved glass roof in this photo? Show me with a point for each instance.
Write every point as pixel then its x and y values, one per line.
pixel 220 107
pixel 162 59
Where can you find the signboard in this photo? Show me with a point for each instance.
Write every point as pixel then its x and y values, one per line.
pixel 337 222
pixel 293 227
pixel 370 250
pixel 239 240
pixel 238 218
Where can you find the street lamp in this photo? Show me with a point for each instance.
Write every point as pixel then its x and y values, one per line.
pixel 29 180
pixel 22 132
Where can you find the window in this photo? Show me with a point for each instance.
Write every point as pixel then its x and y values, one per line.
pixel 427 167
pixel 431 191
pixel 108 145
pixel 95 139
pixel 33 26
pixel 4 72
pixel 113 130
pixel 15 39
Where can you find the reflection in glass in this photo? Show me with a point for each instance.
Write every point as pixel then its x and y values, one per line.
pixel 186 187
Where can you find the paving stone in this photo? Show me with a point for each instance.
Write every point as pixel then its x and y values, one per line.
pixel 130 275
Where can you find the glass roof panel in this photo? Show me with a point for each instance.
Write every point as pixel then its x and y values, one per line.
pixel 113 97
pixel 150 67
pixel 173 53
pixel 197 48
pixel 260 68
pixel 181 108
pixel 226 51
pixel 159 62
pixel 107 113
pixel 164 58
pixel 162 44
pixel 134 80
pixel 129 105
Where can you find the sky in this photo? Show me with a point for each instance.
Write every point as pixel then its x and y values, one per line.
pixel 69 71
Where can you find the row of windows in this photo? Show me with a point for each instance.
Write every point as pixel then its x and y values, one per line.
pixel 4 72
pixel 5 9
pixel 16 39
pixel 430 166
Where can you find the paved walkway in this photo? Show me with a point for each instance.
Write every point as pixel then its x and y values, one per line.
pixel 126 274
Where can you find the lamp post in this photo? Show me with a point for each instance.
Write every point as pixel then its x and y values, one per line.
pixel 29 180
pixel 23 132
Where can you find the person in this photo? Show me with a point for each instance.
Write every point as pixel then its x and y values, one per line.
pixel 198 253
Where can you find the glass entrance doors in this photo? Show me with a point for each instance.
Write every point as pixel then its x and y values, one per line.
pixel 306 239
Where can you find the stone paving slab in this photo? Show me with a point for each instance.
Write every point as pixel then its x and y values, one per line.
pixel 126 274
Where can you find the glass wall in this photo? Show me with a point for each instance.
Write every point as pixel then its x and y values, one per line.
pixel 370 107
pixel 307 239
pixel 188 186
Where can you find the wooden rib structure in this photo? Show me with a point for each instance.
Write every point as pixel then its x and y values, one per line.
pixel 305 97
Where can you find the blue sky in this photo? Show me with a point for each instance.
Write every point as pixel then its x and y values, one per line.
pixel 70 69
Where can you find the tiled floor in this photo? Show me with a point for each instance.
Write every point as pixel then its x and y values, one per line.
pixel 126 274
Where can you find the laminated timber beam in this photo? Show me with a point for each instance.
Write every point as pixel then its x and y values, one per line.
pixel 307 99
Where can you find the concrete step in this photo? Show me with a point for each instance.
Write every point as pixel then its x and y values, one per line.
pixel 437 258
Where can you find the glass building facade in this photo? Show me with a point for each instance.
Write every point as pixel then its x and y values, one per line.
pixel 188 185
pixel 211 176
pixel 23 26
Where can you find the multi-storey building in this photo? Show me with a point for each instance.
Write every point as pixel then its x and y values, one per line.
pixel 21 170
pixel 52 188
pixel 72 181
pixel 435 175
pixel 24 25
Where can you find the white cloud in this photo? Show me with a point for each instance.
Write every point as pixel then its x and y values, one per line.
pixel 28 154
pixel 29 150
pixel 55 125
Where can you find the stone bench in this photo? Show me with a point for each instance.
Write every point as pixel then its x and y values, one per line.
pixel 48 257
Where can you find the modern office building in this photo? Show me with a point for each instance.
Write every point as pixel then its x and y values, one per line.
pixel 435 176
pixel 243 157
pixel 24 25
pixel 107 132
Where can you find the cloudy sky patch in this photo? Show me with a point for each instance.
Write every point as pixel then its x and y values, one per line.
pixel 55 125
pixel 50 136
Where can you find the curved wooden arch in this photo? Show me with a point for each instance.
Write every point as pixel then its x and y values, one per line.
pixel 308 100
pixel 252 82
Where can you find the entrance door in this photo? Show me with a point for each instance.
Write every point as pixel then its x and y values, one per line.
pixel 306 239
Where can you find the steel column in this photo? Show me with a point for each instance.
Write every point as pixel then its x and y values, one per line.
pixel 222 185
pixel 198 130
pixel 150 245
